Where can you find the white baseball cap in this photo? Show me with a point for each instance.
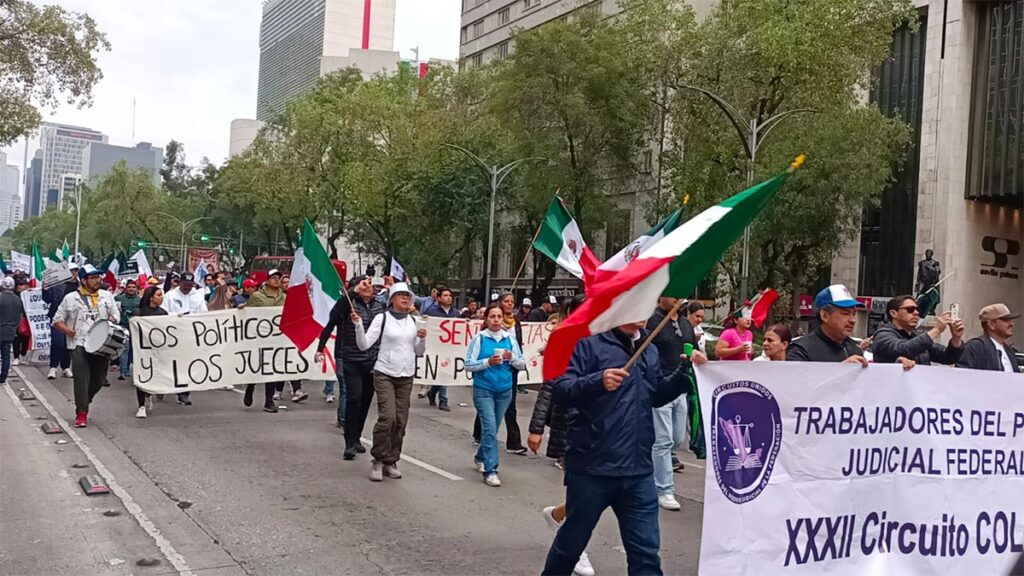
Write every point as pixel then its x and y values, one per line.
pixel 552 299
pixel 7 283
pixel 527 302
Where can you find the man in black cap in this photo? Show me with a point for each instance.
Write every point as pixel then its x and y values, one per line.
pixel 185 299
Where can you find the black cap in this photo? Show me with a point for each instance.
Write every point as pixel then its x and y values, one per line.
pixel 356 280
pixel 188 277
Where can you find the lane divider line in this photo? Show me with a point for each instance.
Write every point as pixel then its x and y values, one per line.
pixel 166 548
pixel 17 402
pixel 420 463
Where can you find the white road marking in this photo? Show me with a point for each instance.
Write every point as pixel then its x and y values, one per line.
pixel 694 464
pixel 17 402
pixel 166 548
pixel 420 463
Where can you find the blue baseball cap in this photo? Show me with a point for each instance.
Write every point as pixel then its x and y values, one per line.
pixel 836 295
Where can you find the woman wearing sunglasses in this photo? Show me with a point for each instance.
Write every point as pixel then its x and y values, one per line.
pixel 900 338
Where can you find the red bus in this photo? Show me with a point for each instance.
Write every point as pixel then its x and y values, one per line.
pixel 263 264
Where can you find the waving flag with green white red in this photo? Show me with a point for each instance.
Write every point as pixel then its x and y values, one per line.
pixel 623 257
pixel 312 292
pixel 674 266
pixel 559 238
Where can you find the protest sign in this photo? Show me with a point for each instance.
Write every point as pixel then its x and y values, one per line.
pixel 829 468
pixel 21 262
pixel 444 363
pixel 39 322
pixel 226 348
pixel 56 273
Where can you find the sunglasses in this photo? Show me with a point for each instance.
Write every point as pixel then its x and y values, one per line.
pixel 910 309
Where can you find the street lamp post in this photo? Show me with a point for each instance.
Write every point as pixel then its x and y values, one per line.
pixel 752 133
pixel 78 218
pixel 497 176
pixel 184 228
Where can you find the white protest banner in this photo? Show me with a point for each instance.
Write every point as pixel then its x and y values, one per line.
pixel 444 363
pixel 39 322
pixel 837 469
pixel 225 348
pixel 21 262
pixel 56 273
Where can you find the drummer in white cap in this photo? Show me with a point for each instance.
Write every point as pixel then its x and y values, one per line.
pixel 75 316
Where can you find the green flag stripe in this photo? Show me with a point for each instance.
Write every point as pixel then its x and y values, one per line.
pixel 549 241
pixel 319 263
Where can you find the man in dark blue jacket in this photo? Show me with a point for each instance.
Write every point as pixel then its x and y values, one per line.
pixel 441 308
pixel 611 433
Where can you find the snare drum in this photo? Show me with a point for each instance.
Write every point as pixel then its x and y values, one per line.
pixel 106 338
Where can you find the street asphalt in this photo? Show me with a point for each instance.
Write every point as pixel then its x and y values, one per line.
pixel 217 488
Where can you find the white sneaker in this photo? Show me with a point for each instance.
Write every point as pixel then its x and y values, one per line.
pixel 141 413
pixel 68 373
pixel 583 566
pixel 392 471
pixel 329 399
pixel 299 396
pixel 277 395
pixel 668 502
pixel 552 523
pixel 17 362
pixel 52 374
pixel 376 471
pixel 492 480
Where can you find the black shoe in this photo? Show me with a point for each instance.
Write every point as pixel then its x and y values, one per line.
pixel 432 400
pixel 677 465
pixel 350 453
pixel 522 390
pixel 270 408
pixel 247 399
pixel 185 402
pixel 360 448
pixel 120 377
pixel 106 382
pixel 517 451
pixel 444 407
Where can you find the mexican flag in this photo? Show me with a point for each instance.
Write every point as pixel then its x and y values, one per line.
pixel 38 264
pixel 672 267
pixel 560 239
pixel 623 257
pixel 757 308
pixel 112 266
pixel 145 271
pixel 312 292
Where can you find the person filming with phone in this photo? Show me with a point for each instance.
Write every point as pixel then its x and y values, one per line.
pixel 901 338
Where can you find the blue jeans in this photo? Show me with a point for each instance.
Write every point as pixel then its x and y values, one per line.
pixel 440 391
pixel 635 503
pixel 60 356
pixel 125 364
pixel 491 407
pixel 340 398
pixel 669 433
pixel 5 359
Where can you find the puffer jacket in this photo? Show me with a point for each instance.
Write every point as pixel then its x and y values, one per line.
pixel 547 413
pixel 263 298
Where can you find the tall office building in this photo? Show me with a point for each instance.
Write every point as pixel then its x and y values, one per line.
pixel 297 36
pixel 9 177
pixel 62 148
pixel 33 186
pixel 10 201
pixel 69 185
pixel 98 159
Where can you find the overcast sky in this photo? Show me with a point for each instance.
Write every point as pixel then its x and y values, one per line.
pixel 191 66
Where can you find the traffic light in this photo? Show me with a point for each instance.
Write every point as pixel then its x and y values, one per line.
pixel 204 237
pixel 231 251
pixel 141 243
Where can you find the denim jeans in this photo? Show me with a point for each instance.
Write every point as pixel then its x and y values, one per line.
pixel 60 356
pixel 340 398
pixel 491 407
pixel 440 391
pixel 125 363
pixel 5 359
pixel 670 426
pixel 635 504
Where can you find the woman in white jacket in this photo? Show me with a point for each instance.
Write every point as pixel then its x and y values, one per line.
pixel 401 341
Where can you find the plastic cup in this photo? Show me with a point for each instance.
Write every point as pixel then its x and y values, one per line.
pixel 688 349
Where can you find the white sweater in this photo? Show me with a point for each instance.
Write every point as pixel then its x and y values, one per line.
pixel 399 345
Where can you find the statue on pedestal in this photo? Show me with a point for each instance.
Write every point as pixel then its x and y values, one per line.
pixel 929 271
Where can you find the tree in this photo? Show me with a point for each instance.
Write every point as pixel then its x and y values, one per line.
pixel 770 56
pixel 47 55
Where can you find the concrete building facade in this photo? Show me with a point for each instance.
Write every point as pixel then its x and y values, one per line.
pixel 33 186
pixel 98 159
pixel 62 148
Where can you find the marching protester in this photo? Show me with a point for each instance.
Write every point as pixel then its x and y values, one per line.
pixel 354 365
pixel 186 298
pixel 900 337
pixel 151 304
pixel 271 294
pixel 60 358
pixel 401 341
pixel 492 356
pixel 831 341
pixel 23 338
pixel 248 287
pixel 129 301
pixel 442 308
pixel 992 351
pixel 776 343
pixel 670 422
pixel 611 439
pixel 219 299
pixel 75 316
pixel 12 310
pixel 209 284
pixel 472 306
pixel 692 333
pixel 513 436
pixel 523 315
pixel 737 341
pixel 546 309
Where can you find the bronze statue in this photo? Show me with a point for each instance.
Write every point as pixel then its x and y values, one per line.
pixel 929 271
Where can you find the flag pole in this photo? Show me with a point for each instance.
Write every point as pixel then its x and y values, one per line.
pixel 650 337
pixel 528 250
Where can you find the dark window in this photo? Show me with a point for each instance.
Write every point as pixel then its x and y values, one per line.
pixel 617 235
pixel 888 232
pixel 996 158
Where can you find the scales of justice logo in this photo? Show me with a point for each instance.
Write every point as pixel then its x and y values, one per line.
pixel 746 434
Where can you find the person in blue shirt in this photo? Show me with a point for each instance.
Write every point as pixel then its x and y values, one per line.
pixel 492 356
pixel 441 308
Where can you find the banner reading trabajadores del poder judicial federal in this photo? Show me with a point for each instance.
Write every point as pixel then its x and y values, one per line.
pixel 837 469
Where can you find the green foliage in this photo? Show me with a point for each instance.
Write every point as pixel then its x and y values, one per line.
pixel 47 55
